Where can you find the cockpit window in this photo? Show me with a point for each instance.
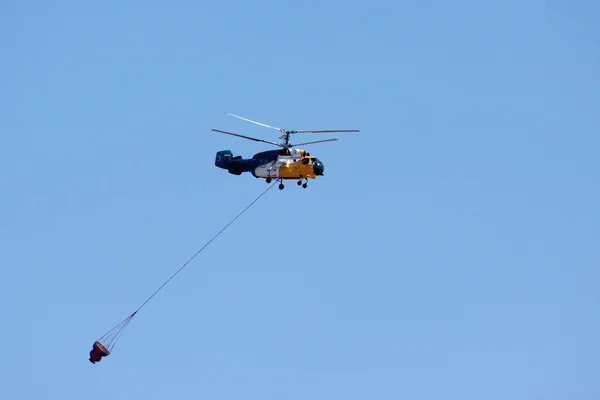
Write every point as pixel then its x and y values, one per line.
pixel 306 161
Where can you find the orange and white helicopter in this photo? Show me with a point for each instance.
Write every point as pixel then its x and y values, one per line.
pixel 286 163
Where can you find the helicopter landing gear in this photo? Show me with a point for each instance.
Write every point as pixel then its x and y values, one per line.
pixel 268 180
pixel 304 185
pixel 281 186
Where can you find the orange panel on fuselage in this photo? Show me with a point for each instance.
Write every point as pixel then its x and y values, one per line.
pixel 296 170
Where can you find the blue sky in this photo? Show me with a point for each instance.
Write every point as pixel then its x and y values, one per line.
pixel 450 250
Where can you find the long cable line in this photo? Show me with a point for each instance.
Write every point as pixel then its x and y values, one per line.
pixel 110 338
pixel 203 247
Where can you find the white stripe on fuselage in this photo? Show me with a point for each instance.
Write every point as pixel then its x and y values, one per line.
pixel 271 170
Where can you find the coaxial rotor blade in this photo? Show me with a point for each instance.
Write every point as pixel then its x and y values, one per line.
pixel 317 141
pixel 247 137
pixel 327 131
pixel 257 123
pixel 321 132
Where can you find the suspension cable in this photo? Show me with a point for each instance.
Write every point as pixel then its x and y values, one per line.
pixel 113 335
pixel 203 247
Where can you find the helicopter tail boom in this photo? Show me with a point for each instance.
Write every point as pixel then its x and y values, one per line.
pixel 233 164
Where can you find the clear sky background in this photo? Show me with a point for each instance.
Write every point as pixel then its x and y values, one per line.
pixel 451 251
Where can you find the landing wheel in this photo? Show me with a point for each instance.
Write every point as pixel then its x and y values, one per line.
pixel 304 185
pixel 299 183
pixel 268 180
pixel 281 186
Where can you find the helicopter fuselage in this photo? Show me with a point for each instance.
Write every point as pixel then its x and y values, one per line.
pixel 272 164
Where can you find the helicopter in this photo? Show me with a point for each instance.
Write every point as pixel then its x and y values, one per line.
pixel 289 162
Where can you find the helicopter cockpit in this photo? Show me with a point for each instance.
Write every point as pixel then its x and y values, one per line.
pixel 318 167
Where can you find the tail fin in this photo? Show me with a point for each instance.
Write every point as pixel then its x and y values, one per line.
pixel 224 159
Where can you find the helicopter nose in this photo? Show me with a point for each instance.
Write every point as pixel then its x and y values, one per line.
pixel 318 168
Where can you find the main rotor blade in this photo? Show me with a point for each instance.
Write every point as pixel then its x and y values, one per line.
pixel 319 132
pixel 257 123
pixel 328 131
pixel 317 141
pixel 247 137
